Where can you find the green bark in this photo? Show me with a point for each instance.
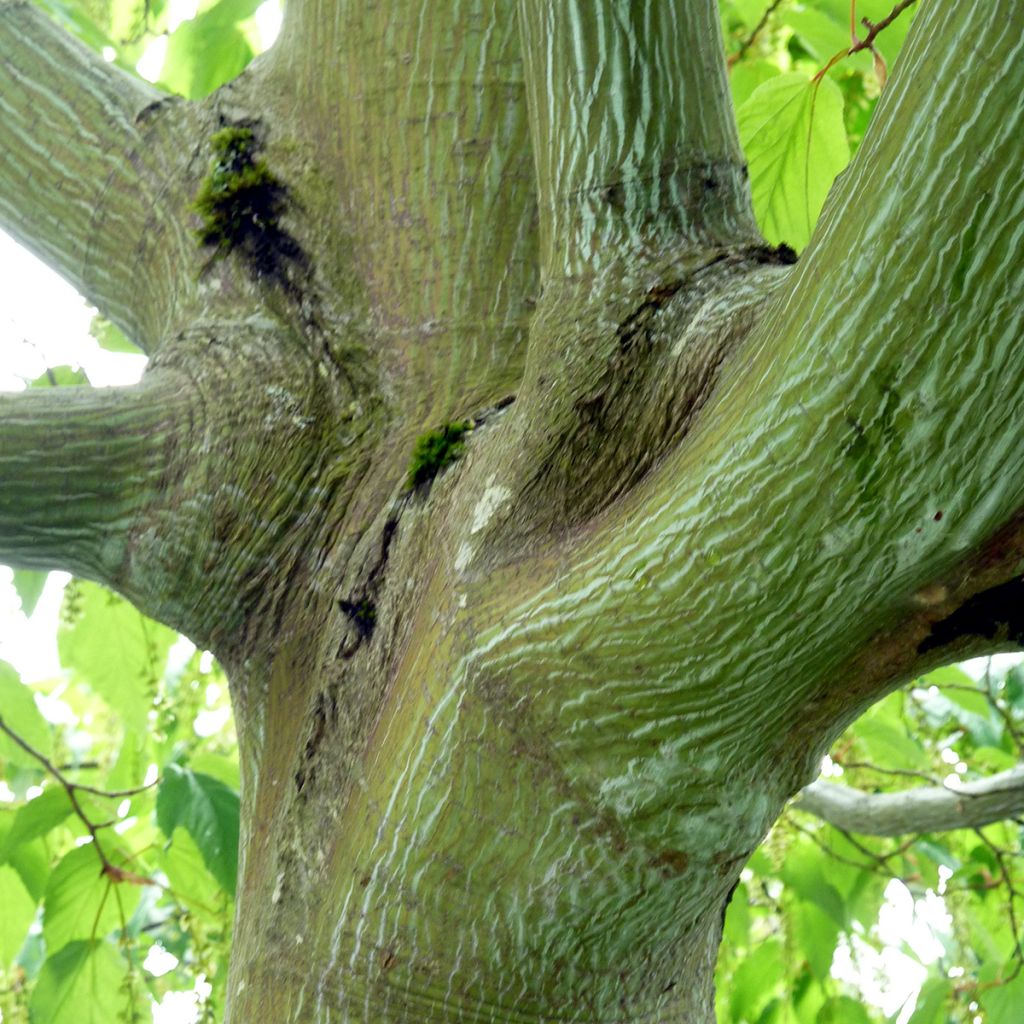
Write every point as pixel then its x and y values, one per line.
pixel 633 133
pixel 508 736
pixel 78 467
pixel 91 161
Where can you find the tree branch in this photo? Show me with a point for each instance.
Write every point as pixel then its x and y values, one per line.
pixel 926 809
pixel 415 120
pixel 749 41
pixel 80 169
pixel 163 491
pixel 79 466
pixel 633 129
pixel 856 475
pixel 868 42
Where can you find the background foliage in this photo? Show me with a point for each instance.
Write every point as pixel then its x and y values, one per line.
pixel 119 778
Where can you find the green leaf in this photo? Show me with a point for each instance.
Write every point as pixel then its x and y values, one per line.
pixel 817 933
pixel 736 931
pixel 203 54
pixel 989 760
pixel 220 767
pixel 114 648
pixel 807 996
pixel 81 984
pixel 938 853
pixel 822 35
pixel 843 1010
pixel 969 707
pixel 972 701
pixel 129 770
pixel 60 377
pixel 773 1013
pixel 18 911
pixel 931 1002
pixel 224 13
pixel 36 818
pixel 208 810
pixel 795 142
pixel 18 712
pixel 1015 687
pixel 130 19
pixel 804 873
pixel 81 903
pixel 746 76
pixel 75 20
pixel 29 585
pixel 191 881
pixel 948 675
pixel 890 747
pixel 32 862
pixel 748 11
pixel 984 926
pixel 1003 1003
pixel 110 337
pixel 755 981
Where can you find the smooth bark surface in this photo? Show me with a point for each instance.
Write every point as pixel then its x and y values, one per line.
pixel 925 809
pixel 713 505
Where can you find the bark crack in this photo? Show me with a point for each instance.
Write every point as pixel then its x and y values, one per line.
pixel 994 614
pixel 360 608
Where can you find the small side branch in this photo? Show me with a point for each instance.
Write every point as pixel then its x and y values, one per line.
pixel 78 466
pixel 868 42
pixel 874 27
pixel 927 809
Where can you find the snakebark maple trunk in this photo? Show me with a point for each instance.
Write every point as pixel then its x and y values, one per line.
pixel 508 736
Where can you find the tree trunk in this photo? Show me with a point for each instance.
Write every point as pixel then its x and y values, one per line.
pixel 509 734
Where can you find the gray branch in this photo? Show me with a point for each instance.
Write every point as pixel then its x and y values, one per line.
pixel 89 171
pixel 927 809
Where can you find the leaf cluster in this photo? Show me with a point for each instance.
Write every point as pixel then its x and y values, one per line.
pixel 202 52
pixel 97 868
pixel 806 940
pixel 800 116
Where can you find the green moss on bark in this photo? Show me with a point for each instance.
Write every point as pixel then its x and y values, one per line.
pixel 436 450
pixel 241 202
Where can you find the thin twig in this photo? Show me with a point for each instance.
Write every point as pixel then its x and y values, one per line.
pixel 1006 879
pixel 82 766
pixel 907 772
pixel 749 41
pixel 874 27
pixel 872 866
pixel 112 794
pixel 108 868
pixel 868 42
pixel 1001 709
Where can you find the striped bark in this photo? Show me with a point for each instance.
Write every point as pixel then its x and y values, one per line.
pixel 732 503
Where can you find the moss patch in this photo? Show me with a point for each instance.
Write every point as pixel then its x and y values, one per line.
pixel 241 202
pixel 436 450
